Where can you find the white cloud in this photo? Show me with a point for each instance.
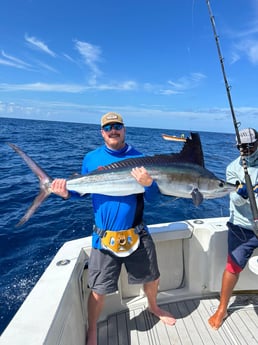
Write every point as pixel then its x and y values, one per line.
pixel 8 63
pixel 187 82
pixel 169 92
pixel 173 88
pixel 68 88
pixel 182 84
pixel 248 48
pixel 91 56
pixel 128 85
pixel 69 58
pixel 246 40
pixel 12 61
pixel 43 87
pixel 46 67
pixel 34 42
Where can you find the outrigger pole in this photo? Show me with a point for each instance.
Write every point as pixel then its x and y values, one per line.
pixel 236 124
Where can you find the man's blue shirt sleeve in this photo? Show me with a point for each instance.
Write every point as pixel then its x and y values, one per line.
pixel 151 193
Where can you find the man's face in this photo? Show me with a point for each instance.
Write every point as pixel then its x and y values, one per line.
pixel 114 135
pixel 248 149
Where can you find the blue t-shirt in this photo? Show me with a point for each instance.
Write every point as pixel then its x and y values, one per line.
pixel 114 212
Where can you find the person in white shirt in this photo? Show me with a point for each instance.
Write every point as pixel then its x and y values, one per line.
pixel 241 238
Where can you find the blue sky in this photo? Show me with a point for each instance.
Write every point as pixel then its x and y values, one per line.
pixel 155 62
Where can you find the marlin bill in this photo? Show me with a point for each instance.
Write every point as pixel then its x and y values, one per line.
pixel 180 175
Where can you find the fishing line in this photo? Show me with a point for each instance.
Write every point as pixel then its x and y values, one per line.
pixel 236 125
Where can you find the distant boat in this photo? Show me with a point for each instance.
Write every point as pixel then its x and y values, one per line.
pixel 174 137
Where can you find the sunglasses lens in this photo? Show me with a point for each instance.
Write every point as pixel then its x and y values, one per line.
pixel 107 128
pixel 116 126
pixel 246 146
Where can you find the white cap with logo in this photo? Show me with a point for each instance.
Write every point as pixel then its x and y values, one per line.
pixel 248 136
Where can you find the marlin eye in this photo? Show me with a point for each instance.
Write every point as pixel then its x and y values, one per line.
pixel 221 184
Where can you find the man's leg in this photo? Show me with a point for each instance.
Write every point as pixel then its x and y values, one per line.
pixel 151 290
pixel 229 281
pixel 95 306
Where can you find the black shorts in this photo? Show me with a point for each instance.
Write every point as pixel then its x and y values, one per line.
pixel 104 267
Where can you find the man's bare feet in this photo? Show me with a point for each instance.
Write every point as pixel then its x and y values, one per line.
pixel 164 316
pixel 216 320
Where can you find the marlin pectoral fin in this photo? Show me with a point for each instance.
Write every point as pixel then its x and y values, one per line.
pixel 197 197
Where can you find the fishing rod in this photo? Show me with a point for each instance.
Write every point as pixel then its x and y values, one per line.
pixel 236 124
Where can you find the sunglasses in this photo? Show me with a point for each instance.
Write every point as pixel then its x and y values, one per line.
pixel 116 126
pixel 246 147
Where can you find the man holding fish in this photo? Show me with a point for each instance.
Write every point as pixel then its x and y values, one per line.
pixel 119 234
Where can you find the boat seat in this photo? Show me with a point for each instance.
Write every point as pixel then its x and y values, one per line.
pixel 168 239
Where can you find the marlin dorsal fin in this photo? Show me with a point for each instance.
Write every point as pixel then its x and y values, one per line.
pixel 191 152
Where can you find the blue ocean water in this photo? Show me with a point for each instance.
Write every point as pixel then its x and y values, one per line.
pixel 59 148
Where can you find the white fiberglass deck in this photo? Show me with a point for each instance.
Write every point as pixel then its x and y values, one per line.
pixel 138 326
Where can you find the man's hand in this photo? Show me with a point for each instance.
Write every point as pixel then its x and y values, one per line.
pixel 255 188
pixel 142 176
pixel 242 190
pixel 58 187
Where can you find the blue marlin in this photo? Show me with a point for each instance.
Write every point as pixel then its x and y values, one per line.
pixel 180 175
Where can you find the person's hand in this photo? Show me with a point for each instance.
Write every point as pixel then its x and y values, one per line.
pixel 142 176
pixel 255 188
pixel 242 190
pixel 58 187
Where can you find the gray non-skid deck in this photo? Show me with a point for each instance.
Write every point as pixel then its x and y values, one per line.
pixel 138 326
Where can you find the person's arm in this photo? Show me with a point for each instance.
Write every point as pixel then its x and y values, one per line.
pixel 84 169
pixel 239 196
pixel 152 192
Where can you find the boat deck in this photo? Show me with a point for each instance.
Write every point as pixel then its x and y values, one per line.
pixel 138 326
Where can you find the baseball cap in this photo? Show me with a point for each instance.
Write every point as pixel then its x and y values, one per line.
pixel 248 136
pixel 111 117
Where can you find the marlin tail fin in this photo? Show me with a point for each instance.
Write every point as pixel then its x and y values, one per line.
pixel 44 183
